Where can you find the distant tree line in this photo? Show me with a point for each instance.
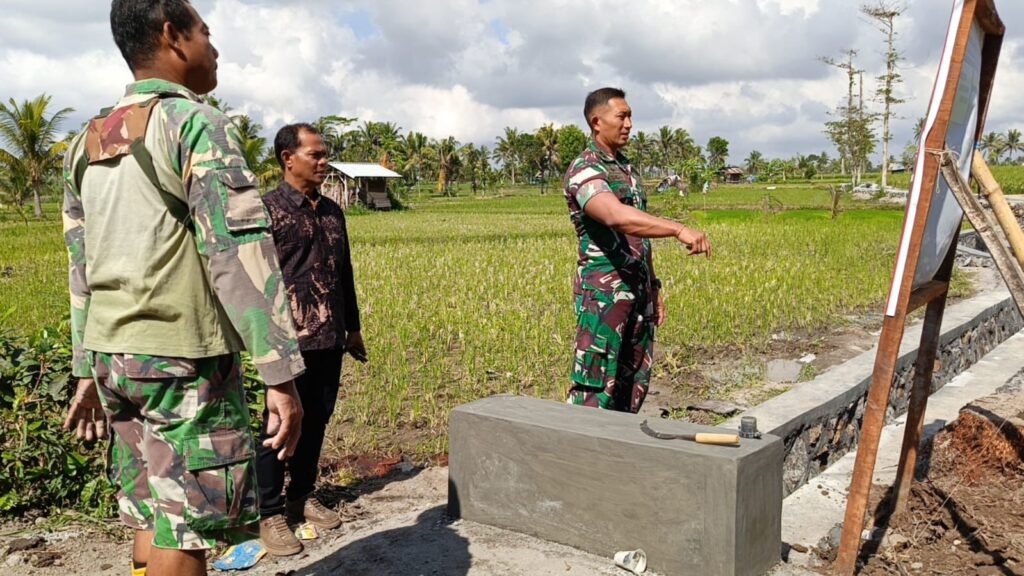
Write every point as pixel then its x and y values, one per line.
pixel 32 146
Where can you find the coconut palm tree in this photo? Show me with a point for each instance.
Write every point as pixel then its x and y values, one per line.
pixel 332 130
pixel 253 145
pixel 665 143
pixel 685 146
pixel 31 140
pixel 413 148
pixel 718 151
pixel 448 163
pixel 992 145
pixel 639 151
pixel 919 129
pixel 508 150
pixel 754 162
pixel 474 163
pixel 1013 143
pixel 547 139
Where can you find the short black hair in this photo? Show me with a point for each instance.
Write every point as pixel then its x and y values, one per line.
pixel 288 139
pixel 600 97
pixel 136 25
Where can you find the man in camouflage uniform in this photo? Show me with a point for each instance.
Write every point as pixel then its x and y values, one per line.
pixel 618 297
pixel 173 271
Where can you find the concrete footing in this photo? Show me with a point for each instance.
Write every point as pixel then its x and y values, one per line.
pixel 591 479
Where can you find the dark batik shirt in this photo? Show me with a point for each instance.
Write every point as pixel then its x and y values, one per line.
pixel 312 245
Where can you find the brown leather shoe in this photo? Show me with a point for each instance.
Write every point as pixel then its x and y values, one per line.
pixel 277 537
pixel 312 511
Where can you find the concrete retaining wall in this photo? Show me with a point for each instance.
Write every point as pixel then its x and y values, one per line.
pixel 819 421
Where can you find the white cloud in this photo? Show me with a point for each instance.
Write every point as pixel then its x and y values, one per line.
pixel 85 82
pixel 747 70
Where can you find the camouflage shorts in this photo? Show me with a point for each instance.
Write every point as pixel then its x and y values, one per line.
pixel 614 340
pixel 181 454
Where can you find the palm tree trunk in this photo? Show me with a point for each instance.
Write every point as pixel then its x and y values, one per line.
pixel 37 203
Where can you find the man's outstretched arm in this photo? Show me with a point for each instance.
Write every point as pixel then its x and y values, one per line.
pixel 606 209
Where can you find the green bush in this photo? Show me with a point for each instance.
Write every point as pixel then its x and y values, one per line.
pixel 42 466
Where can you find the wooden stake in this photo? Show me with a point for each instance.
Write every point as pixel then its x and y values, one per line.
pixel 867 446
pixel 922 387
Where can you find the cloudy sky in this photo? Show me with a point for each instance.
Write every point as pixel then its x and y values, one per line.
pixel 746 70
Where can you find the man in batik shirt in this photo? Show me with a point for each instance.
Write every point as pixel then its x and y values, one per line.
pixel 312 243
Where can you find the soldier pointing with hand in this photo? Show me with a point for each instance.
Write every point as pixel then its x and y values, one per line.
pixel 618 297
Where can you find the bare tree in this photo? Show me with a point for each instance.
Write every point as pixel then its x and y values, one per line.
pixel 852 130
pixel 884 14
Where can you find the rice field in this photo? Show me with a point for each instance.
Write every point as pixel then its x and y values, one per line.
pixel 463 298
pixel 1009 177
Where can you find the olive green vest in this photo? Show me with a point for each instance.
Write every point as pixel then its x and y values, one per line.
pixel 151 293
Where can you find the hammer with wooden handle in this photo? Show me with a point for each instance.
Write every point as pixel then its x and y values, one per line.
pixel 700 437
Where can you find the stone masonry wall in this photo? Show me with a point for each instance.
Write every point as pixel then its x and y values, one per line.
pixel 814 443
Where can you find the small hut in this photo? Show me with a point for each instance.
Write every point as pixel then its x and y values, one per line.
pixel 731 174
pixel 363 182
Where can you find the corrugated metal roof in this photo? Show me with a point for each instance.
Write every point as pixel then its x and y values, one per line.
pixel 363 170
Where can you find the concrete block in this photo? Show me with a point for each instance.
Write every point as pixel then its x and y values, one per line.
pixel 592 480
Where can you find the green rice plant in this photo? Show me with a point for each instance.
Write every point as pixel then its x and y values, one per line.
pixel 1010 178
pixel 463 298
pixel 33 275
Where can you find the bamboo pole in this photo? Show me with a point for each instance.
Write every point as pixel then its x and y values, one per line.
pixel 972 208
pixel 994 193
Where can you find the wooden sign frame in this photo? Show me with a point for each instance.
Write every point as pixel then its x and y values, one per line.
pixel 906 295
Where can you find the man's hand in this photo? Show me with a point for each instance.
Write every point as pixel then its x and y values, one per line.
pixel 284 422
pixel 86 412
pixel 659 308
pixel 695 240
pixel 354 346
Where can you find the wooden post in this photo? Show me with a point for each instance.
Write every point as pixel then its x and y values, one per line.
pixel 923 370
pixel 867 446
pixel 1004 215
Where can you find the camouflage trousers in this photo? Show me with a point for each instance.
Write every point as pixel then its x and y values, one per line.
pixel 614 340
pixel 181 454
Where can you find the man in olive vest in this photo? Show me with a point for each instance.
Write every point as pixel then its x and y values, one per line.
pixel 173 272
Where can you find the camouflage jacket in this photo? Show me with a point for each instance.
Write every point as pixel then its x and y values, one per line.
pixel 609 261
pixel 141 281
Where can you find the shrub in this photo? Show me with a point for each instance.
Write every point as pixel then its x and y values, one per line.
pixel 41 465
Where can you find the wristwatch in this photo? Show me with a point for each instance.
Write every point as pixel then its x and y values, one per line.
pixel 656 284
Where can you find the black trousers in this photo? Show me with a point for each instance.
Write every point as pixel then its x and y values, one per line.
pixel 318 390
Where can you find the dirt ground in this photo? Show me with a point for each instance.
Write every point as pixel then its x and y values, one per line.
pixel 394 526
pixel 965 512
pixel 966 515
